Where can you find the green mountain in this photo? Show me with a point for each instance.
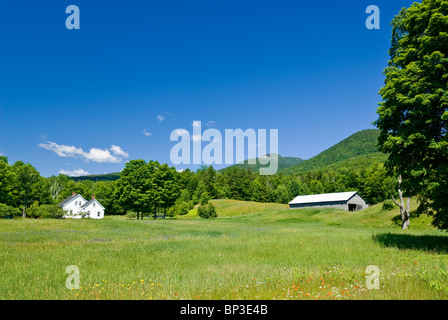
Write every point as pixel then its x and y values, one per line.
pixel 359 149
pixel 283 163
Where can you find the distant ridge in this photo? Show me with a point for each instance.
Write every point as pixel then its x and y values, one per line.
pixel 98 177
pixel 356 151
pixel 283 163
pixel 360 146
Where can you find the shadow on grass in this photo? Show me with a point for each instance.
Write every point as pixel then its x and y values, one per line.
pixel 433 243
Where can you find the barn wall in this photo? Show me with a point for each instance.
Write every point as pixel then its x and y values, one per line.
pixel 358 200
pixel 342 205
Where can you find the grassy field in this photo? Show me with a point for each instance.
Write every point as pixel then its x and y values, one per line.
pixel 251 251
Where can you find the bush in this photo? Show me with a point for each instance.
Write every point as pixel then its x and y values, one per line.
pixel 33 210
pixel 207 211
pixel 131 215
pixel 8 212
pixel 179 209
pixel 387 205
pixel 203 200
pixel 184 207
pixel 49 211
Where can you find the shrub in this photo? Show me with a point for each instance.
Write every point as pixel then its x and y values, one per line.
pixel 203 200
pixel 131 215
pixel 179 209
pixel 33 210
pixel 49 211
pixel 184 207
pixel 387 205
pixel 8 212
pixel 207 211
pixel 172 211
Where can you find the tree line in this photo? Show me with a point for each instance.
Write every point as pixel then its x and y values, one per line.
pixel 150 188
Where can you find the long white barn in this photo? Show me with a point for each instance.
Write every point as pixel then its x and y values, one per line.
pixel 349 201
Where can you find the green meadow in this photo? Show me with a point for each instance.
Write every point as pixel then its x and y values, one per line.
pixel 251 251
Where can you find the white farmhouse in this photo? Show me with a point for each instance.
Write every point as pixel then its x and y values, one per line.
pixel 76 206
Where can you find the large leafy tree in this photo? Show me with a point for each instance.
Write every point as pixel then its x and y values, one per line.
pixel 413 114
pixel 106 192
pixel 8 193
pixel 145 187
pixel 167 178
pixel 132 187
pixel 30 186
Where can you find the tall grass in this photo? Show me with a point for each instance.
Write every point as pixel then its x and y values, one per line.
pixel 269 252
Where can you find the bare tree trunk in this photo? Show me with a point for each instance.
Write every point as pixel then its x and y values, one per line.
pixel 404 210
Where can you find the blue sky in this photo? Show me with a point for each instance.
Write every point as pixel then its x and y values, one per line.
pixel 89 100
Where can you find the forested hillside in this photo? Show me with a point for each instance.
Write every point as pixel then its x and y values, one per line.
pixel 358 144
pixel 283 163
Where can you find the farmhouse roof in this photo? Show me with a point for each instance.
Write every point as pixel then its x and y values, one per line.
pixel 67 200
pixel 324 197
pixel 88 203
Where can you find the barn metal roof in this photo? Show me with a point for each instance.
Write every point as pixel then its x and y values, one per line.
pixel 324 197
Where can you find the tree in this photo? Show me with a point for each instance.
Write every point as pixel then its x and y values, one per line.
pixel 282 195
pixel 106 193
pixel 145 187
pixel 7 177
pixel 57 184
pixel 404 210
pixel 133 186
pixel 30 186
pixel 259 190
pixel 204 198
pixel 413 114
pixel 377 185
pixel 167 181
pixel 70 187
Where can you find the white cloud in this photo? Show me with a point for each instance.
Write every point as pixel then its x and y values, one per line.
pixel 180 132
pixel 196 123
pixel 196 137
pixel 62 150
pixel 75 173
pixel 116 150
pixel 94 154
pixel 146 133
pixel 100 155
pixel 210 123
pixel 160 118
